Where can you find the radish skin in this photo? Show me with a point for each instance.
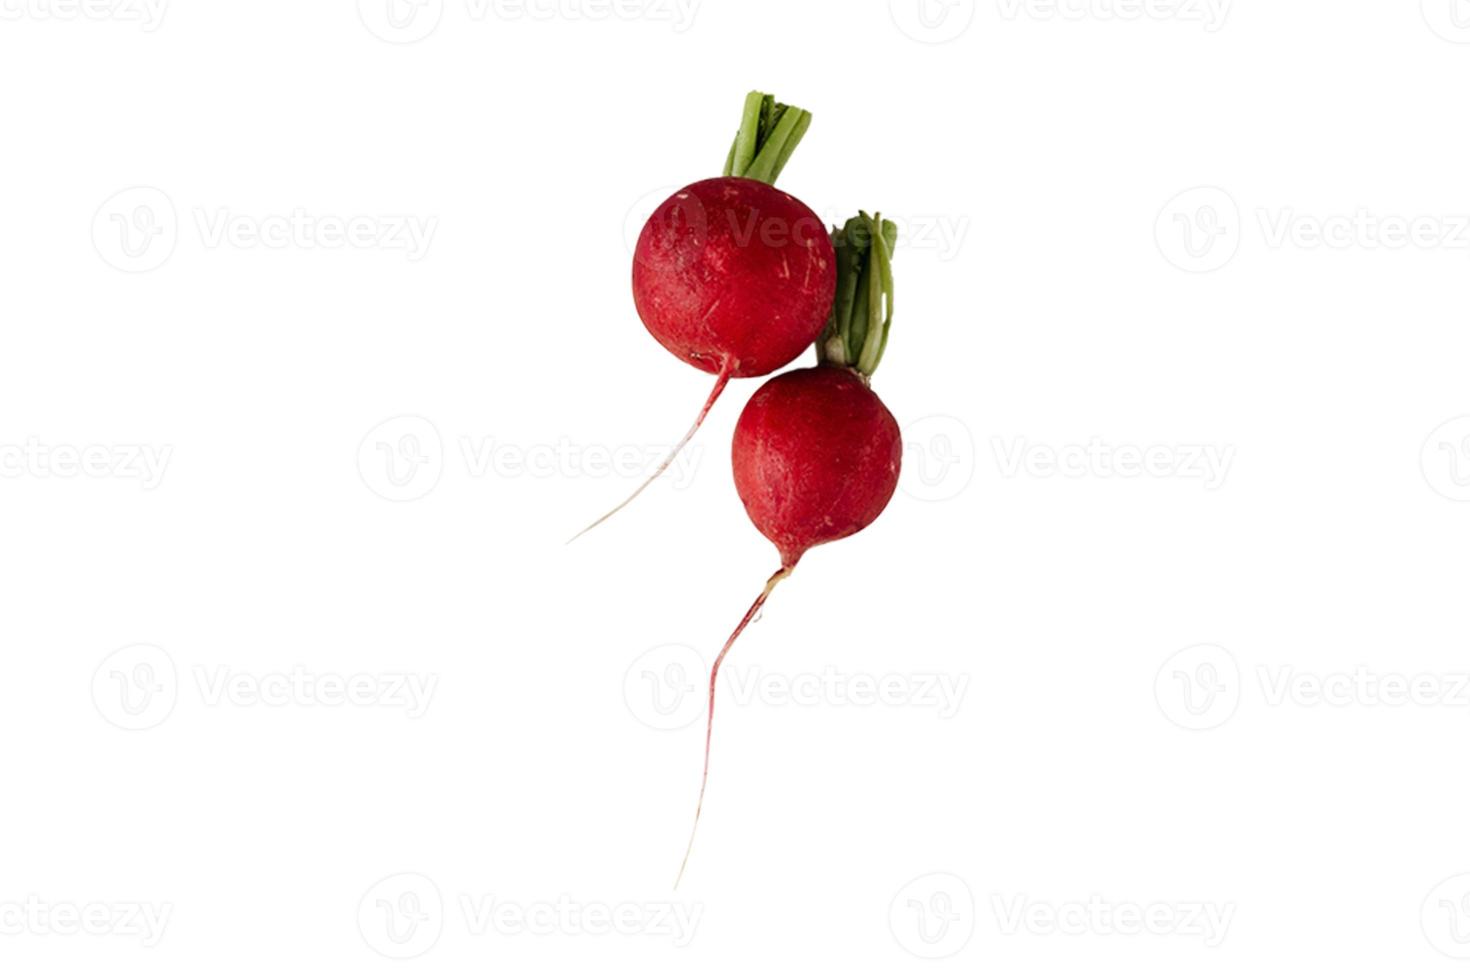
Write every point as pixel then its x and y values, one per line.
pixel 734 274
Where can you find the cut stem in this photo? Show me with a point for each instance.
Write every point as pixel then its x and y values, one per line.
pixel 714 674
pixel 724 378
pixel 862 314
pixel 769 133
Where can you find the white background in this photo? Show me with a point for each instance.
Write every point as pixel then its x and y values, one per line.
pixel 1128 227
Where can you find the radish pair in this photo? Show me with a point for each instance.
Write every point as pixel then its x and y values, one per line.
pixel 738 278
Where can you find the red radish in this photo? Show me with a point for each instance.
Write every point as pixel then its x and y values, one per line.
pixel 816 452
pixel 816 458
pixel 734 276
pixel 730 274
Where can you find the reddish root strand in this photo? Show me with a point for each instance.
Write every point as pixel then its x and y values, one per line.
pixel 714 673
pixel 719 388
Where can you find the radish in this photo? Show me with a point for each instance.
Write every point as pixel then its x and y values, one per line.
pixel 816 453
pixel 730 274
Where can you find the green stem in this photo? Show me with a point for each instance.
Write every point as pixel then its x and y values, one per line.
pixel 862 313
pixel 748 136
pixel 769 133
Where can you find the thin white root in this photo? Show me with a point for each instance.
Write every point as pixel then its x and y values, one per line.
pixel 709 402
pixel 709 728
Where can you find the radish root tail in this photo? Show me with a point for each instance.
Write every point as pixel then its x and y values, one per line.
pixel 709 728
pixel 724 378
